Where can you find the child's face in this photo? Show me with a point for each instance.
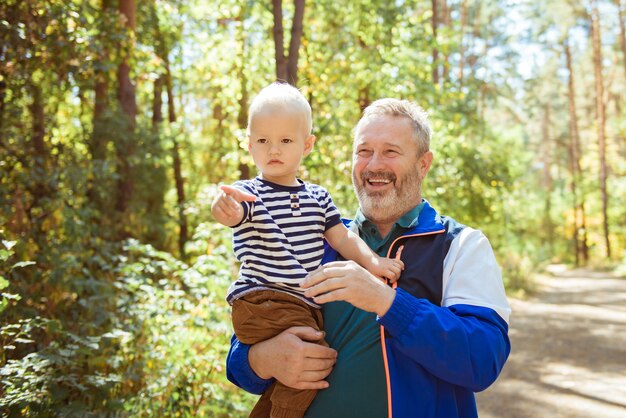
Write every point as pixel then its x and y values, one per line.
pixel 278 142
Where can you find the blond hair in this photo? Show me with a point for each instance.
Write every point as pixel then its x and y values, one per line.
pixel 281 97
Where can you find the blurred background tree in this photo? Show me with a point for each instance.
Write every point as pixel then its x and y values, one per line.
pixel 118 118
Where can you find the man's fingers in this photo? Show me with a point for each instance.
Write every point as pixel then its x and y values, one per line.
pixel 314 361
pixel 322 274
pixel 237 194
pixel 311 349
pixel 306 333
pixel 316 370
pixel 320 384
pixel 320 352
pixel 332 296
pixel 315 376
pixel 319 368
pixel 325 286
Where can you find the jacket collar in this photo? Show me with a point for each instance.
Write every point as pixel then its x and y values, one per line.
pixel 428 221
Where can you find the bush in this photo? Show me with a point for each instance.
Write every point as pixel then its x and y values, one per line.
pixel 140 334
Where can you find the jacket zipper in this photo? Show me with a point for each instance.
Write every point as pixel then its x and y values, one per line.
pixel 382 329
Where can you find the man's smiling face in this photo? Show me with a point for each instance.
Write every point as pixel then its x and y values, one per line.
pixel 387 170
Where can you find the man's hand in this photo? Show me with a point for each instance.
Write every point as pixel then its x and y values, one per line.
pixel 226 207
pixel 294 359
pixel 348 281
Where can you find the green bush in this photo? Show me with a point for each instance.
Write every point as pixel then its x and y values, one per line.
pixel 142 334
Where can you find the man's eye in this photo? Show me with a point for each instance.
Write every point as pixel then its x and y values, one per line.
pixel 363 152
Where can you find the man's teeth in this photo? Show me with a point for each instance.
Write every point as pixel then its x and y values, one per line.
pixel 379 181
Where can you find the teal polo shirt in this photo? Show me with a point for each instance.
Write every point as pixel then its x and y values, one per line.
pixel 358 386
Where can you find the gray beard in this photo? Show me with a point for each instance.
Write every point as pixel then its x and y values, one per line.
pixel 390 205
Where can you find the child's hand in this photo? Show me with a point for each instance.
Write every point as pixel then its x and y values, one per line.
pixel 226 207
pixel 389 268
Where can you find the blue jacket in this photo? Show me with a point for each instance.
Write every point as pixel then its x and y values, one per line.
pixel 446 333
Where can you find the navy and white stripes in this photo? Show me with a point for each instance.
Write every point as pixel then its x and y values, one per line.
pixel 281 237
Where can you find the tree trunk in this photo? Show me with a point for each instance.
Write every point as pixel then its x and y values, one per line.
pixel 580 242
pixel 622 32
pixel 364 98
pixel 99 138
pixel 157 104
pixel 279 46
pixel 126 92
pixel 546 155
pixel 287 66
pixel 126 97
pixel 572 154
pixel 461 43
pixel 3 86
pixel 38 129
pixel 242 116
pixel 40 168
pixel 621 138
pixel 435 52
pixel 294 43
pixel 600 121
pixel 447 21
pixel 126 88
pixel 181 200
pixel 163 52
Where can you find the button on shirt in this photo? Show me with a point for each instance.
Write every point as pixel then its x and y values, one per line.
pixel 358 387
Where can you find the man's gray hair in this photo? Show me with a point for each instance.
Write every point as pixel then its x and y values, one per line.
pixel 402 108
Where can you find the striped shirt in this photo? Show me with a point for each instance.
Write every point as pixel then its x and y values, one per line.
pixel 281 236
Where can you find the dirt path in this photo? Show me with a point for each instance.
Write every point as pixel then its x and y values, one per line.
pixel 568 355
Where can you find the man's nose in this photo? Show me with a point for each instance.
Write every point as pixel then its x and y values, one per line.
pixel 376 162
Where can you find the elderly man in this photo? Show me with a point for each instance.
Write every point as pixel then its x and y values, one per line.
pixel 420 349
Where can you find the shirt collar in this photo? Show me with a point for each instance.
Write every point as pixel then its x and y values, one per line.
pixel 406 221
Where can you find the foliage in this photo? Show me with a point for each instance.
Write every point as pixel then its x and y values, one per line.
pixel 159 352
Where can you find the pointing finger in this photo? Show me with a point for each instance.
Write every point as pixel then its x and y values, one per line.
pixel 238 194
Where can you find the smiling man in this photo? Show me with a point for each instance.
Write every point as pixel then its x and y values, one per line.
pixel 420 349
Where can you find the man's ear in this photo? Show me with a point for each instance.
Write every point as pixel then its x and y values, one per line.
pixel 424 163
pixel 308 144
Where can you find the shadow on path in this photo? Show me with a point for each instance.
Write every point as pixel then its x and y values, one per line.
pixel 568 354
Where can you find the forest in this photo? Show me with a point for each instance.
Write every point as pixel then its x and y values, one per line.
pixel 120 118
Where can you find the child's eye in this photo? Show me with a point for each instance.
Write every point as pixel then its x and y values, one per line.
pixel 261 140
pixel 286 140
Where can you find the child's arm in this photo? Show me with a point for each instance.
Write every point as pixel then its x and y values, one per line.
pixel 351 247
pixel 226 207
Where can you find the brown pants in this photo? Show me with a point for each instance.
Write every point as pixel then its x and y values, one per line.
pixel 264 314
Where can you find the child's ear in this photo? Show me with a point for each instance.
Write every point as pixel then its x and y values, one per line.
pixel 249 143
pixel 308 144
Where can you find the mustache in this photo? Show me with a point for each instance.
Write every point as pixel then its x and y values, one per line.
pixel 381 175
